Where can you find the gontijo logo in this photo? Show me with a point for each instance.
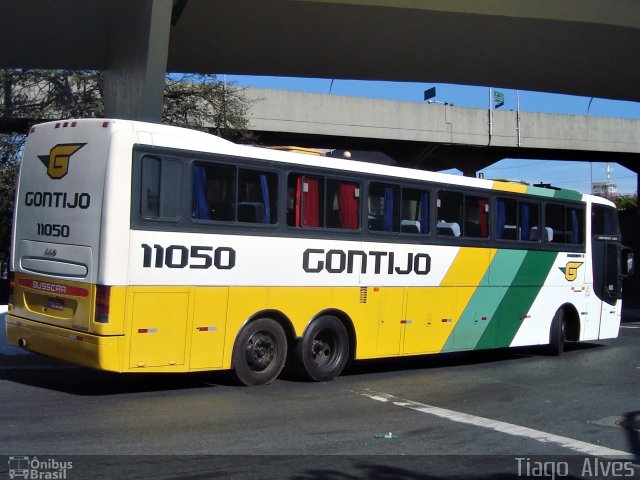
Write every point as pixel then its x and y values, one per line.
pixel 57 162
pixel 571 270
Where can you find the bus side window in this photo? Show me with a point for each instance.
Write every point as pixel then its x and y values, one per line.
pixel 507 219
pixel 257 197
pixel 517 220
pixel 554 223
pixel 305 201
pixel 384 208
pixel 449 213
pixel 574 227
pixel 476 217
pixel 213 192
pixel 529 221
pixel 343 204
pixel 160 181
pixel 415 211
pixel 567 223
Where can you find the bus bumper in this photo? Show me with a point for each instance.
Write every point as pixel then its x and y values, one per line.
pixel 93 351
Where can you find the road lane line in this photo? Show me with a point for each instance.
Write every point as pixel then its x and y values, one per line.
pixel 499 426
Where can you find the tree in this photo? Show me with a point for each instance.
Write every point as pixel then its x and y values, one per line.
pixel 626 202
pixel 201 102
pixel 27 97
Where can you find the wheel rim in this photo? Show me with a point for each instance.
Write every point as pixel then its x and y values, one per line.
pixel 261 351
pixel 323 348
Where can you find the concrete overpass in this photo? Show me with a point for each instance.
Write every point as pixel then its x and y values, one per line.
pixel 437 137
pixel 585 47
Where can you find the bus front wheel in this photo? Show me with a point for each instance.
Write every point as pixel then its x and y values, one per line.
pixel 557 334
pixel 260 352
pixel 324 349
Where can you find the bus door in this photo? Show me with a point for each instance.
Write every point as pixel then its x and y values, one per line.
pixel 612 263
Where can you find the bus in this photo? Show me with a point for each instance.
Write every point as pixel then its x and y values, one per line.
pixel 140 247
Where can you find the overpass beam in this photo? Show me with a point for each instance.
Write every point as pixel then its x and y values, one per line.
pixel 137 61
pixel 471 162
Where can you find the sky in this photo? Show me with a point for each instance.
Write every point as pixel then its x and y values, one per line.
pixel 574 175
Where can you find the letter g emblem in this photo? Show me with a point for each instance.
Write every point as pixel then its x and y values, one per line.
pixel 57 162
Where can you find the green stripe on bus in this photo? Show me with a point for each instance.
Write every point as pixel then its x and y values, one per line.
pixel 568 195
pixel 541 192
pixel 560 194
pixel 517 301
pixel 485 300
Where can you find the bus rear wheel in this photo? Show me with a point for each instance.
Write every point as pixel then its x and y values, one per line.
pixel 260 352
pixel 324 350
pixel 557 334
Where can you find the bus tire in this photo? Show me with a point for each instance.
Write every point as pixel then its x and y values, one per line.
pixel 324 349
pixel 260 352
pixel 557 334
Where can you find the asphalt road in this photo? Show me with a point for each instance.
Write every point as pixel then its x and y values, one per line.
pixel 450 416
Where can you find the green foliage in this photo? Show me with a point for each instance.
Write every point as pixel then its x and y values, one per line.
pixel 8 180
pixel 32 96
pixel 201 102
pixel 626 202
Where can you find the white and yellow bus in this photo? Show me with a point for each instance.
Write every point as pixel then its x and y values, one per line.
pixel 146 248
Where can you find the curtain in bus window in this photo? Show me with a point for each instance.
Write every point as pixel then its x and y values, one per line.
pixel 298 205
pixel 199 203
pixel 348 206
pixel 501 218
pixel 308 195
pixel 575 228
pixel 524 222
pixel 264 190
pixel 424 212
pixel 387 219
pixel 484 218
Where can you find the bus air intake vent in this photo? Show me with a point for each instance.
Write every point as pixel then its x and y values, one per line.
pixel 363 294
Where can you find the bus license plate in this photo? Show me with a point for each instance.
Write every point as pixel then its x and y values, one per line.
pixel 55 304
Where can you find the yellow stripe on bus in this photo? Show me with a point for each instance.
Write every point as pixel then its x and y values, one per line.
pixel 468 267
pixel 509 186
pixel 467 271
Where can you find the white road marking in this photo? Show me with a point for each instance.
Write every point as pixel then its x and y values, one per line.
pixel 503 427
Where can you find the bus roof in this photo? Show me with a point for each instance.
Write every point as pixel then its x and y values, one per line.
pixel 188 139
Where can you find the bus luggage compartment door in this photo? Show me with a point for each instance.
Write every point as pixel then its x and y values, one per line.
pixel 158 327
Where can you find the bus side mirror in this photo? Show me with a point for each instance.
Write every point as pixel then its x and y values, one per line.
pixel 627 262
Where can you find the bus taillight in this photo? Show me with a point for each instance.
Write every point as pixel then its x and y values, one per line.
pixel 12 284
pixel 103 295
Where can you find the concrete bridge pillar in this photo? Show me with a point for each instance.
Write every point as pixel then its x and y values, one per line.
pixel 137 60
